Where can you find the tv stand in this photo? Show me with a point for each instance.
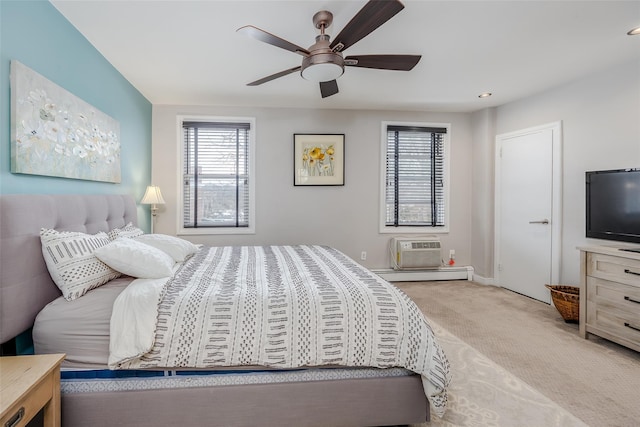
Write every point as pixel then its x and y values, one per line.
pixel 610 294
pixel 631 249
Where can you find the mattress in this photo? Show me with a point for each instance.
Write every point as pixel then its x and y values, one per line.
pixel 79 328
pixel 93 381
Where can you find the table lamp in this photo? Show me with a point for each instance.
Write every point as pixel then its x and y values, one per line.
pixel 153 197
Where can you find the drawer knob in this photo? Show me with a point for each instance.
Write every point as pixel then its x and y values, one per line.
pixel 631 327
pixel 631 272
pixel 631 300
pixel 15 420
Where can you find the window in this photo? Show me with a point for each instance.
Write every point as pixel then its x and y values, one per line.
pixel 217 176
pixel 414 178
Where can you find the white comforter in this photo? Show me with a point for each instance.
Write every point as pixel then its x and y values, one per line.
pixel 277 306
pixel 133 320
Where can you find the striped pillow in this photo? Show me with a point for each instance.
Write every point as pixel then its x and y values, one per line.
pixel 127 232
pixel 71 262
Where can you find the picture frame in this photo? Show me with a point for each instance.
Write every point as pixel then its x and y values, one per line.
pixel 318 159
pixel 55 133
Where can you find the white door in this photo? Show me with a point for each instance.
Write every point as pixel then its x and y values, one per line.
pixel 528 210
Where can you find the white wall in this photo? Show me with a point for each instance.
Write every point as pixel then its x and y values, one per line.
pixel 482 192
pixel 601 130
pixel 600 117
pixel 343 217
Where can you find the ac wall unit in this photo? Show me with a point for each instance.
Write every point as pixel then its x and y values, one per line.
pixel 412 253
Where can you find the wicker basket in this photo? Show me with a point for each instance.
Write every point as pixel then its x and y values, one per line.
pixel 567 301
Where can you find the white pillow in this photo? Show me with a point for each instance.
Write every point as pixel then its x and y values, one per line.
pixel 128 231
pixel 136 259
pixel 179 249
pixel 71 261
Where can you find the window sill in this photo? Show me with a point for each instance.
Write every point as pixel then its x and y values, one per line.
pixel 414 230
pixel 215 231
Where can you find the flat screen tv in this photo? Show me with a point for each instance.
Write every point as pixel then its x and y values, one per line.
pixel 613 205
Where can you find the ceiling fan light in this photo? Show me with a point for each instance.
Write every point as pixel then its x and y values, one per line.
pixel 322 72
pixel 322 66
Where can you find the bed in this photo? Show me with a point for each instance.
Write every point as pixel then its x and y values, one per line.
pixel 326 395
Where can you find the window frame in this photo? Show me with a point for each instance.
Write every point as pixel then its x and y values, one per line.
pixel 251 229
pixel 404 229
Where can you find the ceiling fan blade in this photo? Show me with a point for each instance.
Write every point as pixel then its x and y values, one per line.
pixel 328 88
pixel 269 38
pixel 371 16
pixel 383 62
pixel 274 76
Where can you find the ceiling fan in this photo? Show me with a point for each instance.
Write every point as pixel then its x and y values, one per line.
pixel 323 61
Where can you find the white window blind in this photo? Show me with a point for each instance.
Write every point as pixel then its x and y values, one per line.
pixel 414 184
pixel 216 174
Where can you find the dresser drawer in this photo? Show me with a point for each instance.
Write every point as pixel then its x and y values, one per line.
pixel 614 296
pixel 614 268
pixel 614 324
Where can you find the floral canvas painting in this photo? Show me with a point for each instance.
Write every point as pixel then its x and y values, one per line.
pixel 55 133
pixel 319 159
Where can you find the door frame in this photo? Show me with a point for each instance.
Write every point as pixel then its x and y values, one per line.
pixel 556 197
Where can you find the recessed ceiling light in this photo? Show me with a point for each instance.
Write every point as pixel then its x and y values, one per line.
pixel 634 32
pixel 484 95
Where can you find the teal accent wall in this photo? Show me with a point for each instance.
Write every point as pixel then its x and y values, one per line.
pixel 24 343
pixel 36 34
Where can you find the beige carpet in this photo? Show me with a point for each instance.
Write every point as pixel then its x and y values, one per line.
pixel 484 394
pixel 595 380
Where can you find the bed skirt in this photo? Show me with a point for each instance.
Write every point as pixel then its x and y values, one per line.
pixel 353 402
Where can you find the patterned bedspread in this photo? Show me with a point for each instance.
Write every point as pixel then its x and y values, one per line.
pixel 289 307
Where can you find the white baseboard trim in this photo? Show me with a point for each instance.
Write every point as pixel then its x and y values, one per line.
pixel 483 280
pixel 442 273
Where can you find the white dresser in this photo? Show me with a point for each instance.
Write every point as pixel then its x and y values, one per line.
pixel 610 294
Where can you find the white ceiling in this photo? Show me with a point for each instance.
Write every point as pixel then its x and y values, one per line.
pixel 188 52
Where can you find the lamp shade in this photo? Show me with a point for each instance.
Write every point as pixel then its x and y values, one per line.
pixel 153 196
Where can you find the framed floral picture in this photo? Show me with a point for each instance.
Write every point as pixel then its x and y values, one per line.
pixel 318 159
pixel 55 133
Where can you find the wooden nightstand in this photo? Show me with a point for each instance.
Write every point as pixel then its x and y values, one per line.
pixel 28 384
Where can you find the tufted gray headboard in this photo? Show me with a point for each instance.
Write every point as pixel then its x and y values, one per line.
pixel 25 284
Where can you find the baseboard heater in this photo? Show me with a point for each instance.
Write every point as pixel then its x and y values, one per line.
pixel 442 273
